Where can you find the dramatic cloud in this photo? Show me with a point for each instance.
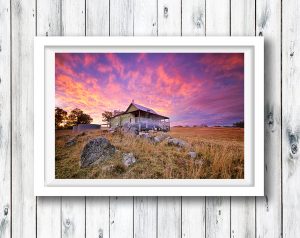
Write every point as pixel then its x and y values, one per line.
pixel 190 88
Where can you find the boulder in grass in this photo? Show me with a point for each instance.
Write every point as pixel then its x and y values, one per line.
pixel 177 142
pixel 192 154
pixel 96 151
pixel 128 159
pixel 71 142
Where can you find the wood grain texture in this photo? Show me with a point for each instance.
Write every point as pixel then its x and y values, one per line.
pixel 268 208
pixel 48 222
pixel 193 217
pixel 169 17
pixel 145 17
pixel 193 17
pixel 121 17
pixel 23 200
pixel 145 217
pixel 5 121
pixel 217 217
pixel 97 17
pixel 169 217
pixel 97 217
pixel 218 208
pixel 48 208
pixel 218 18
pixel 121 217
pixel 242 208
pixel 290 117
pixel 73 17
pixel 20 216
pixel 73 217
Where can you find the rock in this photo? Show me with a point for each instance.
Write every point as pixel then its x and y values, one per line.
pixel 71 142
pixel 159 138
pixel 81 134
pixel 199 162
pixel 192 154
pixel 133 131
pixel 128 159
pixel 177 142
pixel 96 151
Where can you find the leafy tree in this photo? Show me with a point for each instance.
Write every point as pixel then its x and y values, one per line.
pixel 60 117
pixel 106 115
pixel 77 116
pixel 239 124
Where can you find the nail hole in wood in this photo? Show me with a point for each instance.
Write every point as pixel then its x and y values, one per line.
pixel 100 233
pixel 5 210
pixel 294 149
pixel 166 10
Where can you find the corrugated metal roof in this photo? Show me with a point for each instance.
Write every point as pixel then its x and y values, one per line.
pixel 145 109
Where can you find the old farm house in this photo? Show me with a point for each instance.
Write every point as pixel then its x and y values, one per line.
pixel 141 117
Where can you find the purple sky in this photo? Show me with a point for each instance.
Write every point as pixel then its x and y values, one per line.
pixel 190 88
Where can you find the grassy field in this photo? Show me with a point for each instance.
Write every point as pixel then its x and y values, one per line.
pixel 220 155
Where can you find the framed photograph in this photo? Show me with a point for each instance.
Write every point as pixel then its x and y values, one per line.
pixel 148 116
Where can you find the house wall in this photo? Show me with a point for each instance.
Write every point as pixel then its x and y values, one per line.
pixel 122 119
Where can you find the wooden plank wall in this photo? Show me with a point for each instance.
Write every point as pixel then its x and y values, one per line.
pixel 274 215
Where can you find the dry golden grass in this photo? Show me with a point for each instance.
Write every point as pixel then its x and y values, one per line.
pixel 220 155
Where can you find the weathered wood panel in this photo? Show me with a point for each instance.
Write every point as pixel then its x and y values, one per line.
pixel 169 17
pixel 290 117
pixel 128 17
pixel 97 17
pixel 145 217
pixel 193 217
pixel 5 120
pixel 97 217
pixel 48 23
pixel 218 208
pixel 121 17
pixel 193 17
pixel 23 201
pixel 169 217
pixel 242 208
pixel 145 17
pixel 268 208
pixel 121 217
pixel 73 217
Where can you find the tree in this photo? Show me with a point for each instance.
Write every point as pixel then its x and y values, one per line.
pixel 60 117
pixel 239 124
pixel 106 115
pixel 77 116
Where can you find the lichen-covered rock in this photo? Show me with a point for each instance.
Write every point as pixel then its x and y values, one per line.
pixel 71 142
pixel 192 154
pixel 128 159
pixel 96 151
pixel 177 142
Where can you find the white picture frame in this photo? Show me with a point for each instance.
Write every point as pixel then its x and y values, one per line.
pixel 45 183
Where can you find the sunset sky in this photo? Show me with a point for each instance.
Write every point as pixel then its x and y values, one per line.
pixel 190 88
